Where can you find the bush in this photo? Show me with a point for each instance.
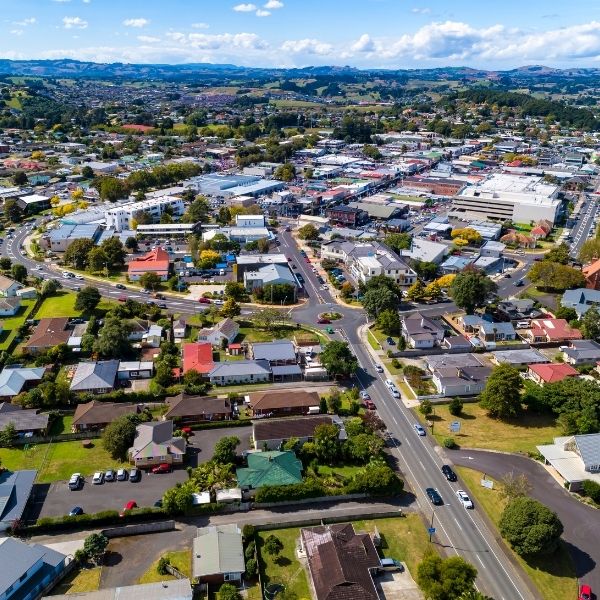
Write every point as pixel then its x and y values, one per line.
pixel 251 568
pixel 161 567
pixel 221 424
pixel 297 491
pixel 250 550
pixel 591 489
pixel 396 363
pixel 455 407
pixel 450 443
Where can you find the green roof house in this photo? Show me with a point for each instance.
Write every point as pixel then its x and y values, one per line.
pixel 270 468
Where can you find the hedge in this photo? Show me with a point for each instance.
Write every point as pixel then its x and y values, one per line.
pixel 220 424
pixel 202 509
pixel 591 489
pixel 297 491
pixel 103 518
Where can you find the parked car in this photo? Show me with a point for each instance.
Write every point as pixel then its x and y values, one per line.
pixel 204 300
pixel 378 368
pixel 585 592
pixel 75 482
pixel 434 496
pixel 75 511
pixel 162 468
pixel 98 478
pixel 120 286
pixel 135 475
pixel 369 404
pixel 449 474
pixel 419 429
pixel 162 305
pixel 365 395
pixel 464 499
pixel 390 564
pixel 390 341
pixel 129 506
pixel 121 475
pixel 122 298
pixel 109 475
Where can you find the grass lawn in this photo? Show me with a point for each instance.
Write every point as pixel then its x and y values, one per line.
pixel 286 568
pixel 553 576
pixel 180 559
pixel 62 304
pixel 83 580
pixel 11 324
pixel 345 471
pixel 405 391
pixel 477 430
pixel 58 461
pixel 373 341
pixel 222 356
pixel 393 370
pixel 61 425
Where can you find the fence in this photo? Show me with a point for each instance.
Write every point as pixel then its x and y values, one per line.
pixel 63 437
pixel 140 529
pixel 340 498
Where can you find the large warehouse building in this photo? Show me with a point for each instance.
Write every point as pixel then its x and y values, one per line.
pixel 504 197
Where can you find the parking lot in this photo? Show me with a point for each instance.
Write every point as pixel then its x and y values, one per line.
pixel 56 499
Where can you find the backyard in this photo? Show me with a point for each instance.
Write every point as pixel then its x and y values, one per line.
pixel 10 325
pixel 82 580
pixel 180 559
pixel 553 576
pixel 62 304
pixel 58 461
pixel 477 430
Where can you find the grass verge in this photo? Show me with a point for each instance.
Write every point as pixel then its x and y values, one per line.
pixel 82 580
pixel 553 576
pixel 180 559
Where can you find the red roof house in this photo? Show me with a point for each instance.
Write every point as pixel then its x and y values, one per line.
pixel 551 372
pixel 552 330
pixel 156 261
pixel 198 357
pixel 591 273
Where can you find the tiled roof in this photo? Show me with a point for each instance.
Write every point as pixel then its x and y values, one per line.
pixel 553 372
pixel 271 399
pixel 49 333
pixel 284 429
pixel 94 412
pixel 198 357
pixel 185 406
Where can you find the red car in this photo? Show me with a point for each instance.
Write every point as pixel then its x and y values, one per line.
pixel 187 430
pixel 122 298
pixel 204 301
pixel 324 322
pixel 585 592
pixel 162 468
pixel 129 506
pixel 369 404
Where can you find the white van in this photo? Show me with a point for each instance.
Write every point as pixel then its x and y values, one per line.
pixel 522 324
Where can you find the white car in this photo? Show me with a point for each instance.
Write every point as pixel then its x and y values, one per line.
pixel 464 499
pixel 98 478
pixel 390 384
pixel 378 368
pixel 78 276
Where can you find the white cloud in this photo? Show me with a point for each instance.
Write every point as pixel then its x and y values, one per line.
pixel 141 22
pixel 148 39
pixel 244 7
pixel 16 32
pixel 205 41
pixel 87 1
pixel 273 5
pixel 200 25
pixel 25 22
pixel 263 13
pixel 307 46
pixel 74 23
pixel 363 44
pixel 421 11
pixel 61 1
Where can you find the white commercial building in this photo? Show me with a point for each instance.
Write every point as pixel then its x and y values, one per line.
pixel 121 217
pixel 502 197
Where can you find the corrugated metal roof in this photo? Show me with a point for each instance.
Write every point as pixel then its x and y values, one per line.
pixel 218 549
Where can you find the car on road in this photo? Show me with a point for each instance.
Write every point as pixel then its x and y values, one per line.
pixel 434 496
pixel 204 300
pixel 369 404
pixel 520 283
pixel 162 468
pixel 323 321
pixel 109 475
pixel 145 291
pixel 329 330
pixel 75 481
pixel 507 276
pixel 390 564
pixel 378 368
pixel 365 395
pixel 585 592
pixel 120 286
pixel 122 298
pixel 464 499
pixel 162 305
pixel 216 302
pixel 121 475
pixel 75 511
pixel 129 506
pixel 419 429
pixel 449 474
pixel 135 475
pixel 78 276
pixel 98 478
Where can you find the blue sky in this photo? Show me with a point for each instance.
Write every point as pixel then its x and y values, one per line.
pixel 286 33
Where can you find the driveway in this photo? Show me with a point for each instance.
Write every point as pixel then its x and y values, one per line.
pixel 581 522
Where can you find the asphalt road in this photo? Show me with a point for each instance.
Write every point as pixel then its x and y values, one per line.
pixel 581 522
pixel 585 224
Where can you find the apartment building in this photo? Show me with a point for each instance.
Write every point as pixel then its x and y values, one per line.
pixel 121 217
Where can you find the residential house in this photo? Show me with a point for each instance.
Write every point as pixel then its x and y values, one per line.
pixel 156 261
pixel 591 272
pixel 269 468
pixel 283 403
pixel 270 434
pixel 218 555
pixel 492 248
pixel 27 570
pixel 421 331
pixel 581 299
pixel 96 377
pixel 455 264
pixel 425 250
pixel 518 309
pixel 551 372
pixel 9 287
pixel 340 562
pixel 227 329
pixel 277 352
pixel 179 329
pixel 9 307
pixel 135 369
pixel 452 360
pixel 575 458
pixel 153 337
pixel 48 333
pixel 138 328
pixel 460 381
pixel 154 444
pixel 198 357
pixel 15 490
pixel 541 230
pixel 23 420
pixel 14 380
pixel 514 238
pixel 581 352
pixel 97 415
pixel 187 410
pixel 173 589
pixel 457 343
pixel 496 332
pixel 519 358
pixel 551 330
pixel 240 371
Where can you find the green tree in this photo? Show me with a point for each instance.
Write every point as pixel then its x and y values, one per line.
pixel 426 407
pixel 87 299
pixel 338 359
pixel 502 394
pixel 12 211
pixel 225 450
pixel 113 338
pixel 131 243
pixel 559 254
pixel 334 401
pixel 273 545
pixel 376 300
pixel 590 324
pixel 531 528
pixel 115 252
pixel 76 254
pixel 470 289
pixel 389 322
pixel 118 436
pixel 364 447
pixel 95 546
pixel 398 241
pixel 308 232
pixel 433 291
pixel 111 188
pixel 416 292
pixel 8 435
pixel 285 172
pixel 445 579
pixel 327 444
pixel 19 272
pixel 5 263
pixel 231 309
pixel 97 260
pixel 590 250
pixel 198 211
pixel 236 290
pixel 455 407
pixel 229 592
pixel 20 178
pixel 151 281
pixel 49 287
pixel 553 276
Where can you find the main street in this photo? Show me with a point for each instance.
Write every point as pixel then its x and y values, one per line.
pixel 457 531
